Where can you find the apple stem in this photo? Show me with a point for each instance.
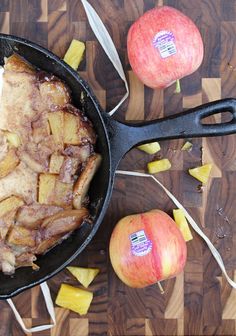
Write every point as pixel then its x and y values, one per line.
pixel 160 287
pixel 177 87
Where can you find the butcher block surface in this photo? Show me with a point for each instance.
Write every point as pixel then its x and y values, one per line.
pixel 199 301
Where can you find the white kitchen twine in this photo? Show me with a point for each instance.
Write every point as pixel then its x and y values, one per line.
pixel 107 44
pixel 50 308
pixel 192 222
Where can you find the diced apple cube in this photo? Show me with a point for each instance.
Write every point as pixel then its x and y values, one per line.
pixel 84 275
pixel 75 299
pixel 182 224
pixel 54 192
pixel 150 148
pixel 74 53
pixel 56 122
pixel 201 173
pixel 47 184
pixel 158 166
pixel 55 164
pixel 71 134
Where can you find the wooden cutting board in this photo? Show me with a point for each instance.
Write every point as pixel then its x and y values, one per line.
pixel 198 302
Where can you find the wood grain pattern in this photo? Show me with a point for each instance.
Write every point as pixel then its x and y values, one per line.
pixel 199 301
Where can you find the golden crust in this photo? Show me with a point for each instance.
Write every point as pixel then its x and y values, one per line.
pixel 18 64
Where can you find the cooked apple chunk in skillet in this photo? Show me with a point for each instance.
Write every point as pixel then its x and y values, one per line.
pixel 47 162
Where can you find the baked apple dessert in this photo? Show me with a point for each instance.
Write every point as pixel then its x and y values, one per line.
pixel 47 161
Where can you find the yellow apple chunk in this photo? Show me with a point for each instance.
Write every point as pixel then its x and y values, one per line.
pixel 71 134
pixel 56 123
pixel 201 173
pixel 54 192
pixel 46 188
pixel 9 163
pixel 84 275
pixel 10 204
pixel 158 166
pixel 150 148
pixel 187 146
pixel 75 299
pixel 74 53
pixel 182 224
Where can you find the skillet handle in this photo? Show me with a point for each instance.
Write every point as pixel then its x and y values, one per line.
pixel 187 124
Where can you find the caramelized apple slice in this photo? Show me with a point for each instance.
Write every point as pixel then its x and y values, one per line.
pixel 84 275
pixel 8 208
pixel 9 163
pixel 18 64
pixel 75 299
pixel 10 204
pixel 32 215
pixel 63 222
pixel 82 184
pixel 54 94
pixel 21 236
pixel 44 245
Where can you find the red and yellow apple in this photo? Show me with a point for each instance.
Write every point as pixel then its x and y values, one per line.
pixel 164 45
pixel 146 248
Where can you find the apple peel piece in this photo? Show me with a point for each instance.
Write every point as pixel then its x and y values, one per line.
pixel 158 166
pixel 182 224
pixel 201 173
pixel 75 299
pixel 82 184
pixel 84 275
pixel 64 221
pixel 150 148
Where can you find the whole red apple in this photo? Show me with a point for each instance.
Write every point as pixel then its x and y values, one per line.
pixel 164 45
pixel 146 248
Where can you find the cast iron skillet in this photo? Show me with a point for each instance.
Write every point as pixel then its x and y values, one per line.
pixel 114 140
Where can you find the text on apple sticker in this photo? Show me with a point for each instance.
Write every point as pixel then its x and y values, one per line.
pixel 164 41
pixel 140 244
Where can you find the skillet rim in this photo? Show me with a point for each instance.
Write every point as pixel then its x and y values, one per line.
pixel 102 116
